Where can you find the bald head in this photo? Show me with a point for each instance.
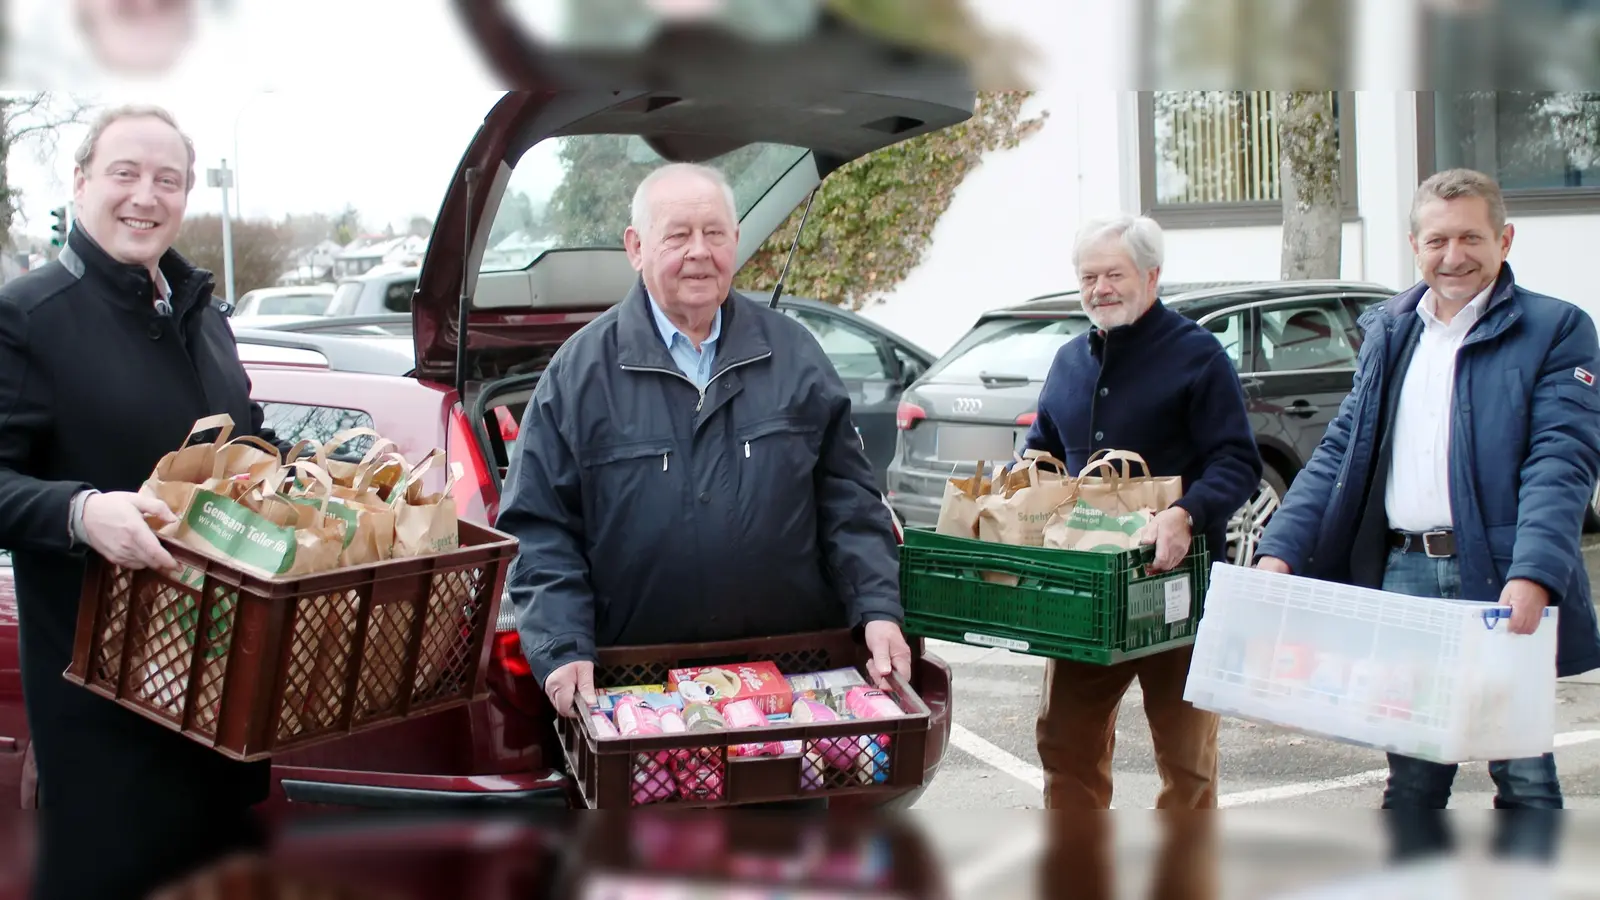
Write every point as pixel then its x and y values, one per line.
pixel 684 241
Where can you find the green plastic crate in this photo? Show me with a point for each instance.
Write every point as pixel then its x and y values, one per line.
pixel 1091 607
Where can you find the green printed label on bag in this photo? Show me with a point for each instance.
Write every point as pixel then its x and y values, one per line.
pixel 1090 519
pixel 186 616
pixel 241 534
pixel 336 509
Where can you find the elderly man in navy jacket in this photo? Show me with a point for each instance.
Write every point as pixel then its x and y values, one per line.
pixel 1461 461
pixel 1145 379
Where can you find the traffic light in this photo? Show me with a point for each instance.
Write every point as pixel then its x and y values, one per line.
pixel 58 231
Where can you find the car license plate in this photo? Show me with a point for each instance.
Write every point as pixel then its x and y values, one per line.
pixel 970 443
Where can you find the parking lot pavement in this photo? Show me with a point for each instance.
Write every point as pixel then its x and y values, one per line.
pixel 993 763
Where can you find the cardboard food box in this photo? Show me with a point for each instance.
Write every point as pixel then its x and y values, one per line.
pixel 719 685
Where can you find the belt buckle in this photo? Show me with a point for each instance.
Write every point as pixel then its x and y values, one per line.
pixel 1427 544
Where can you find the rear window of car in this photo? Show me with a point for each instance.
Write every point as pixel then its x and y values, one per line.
pixel 293 305
pixel 1019 347
pixel 345 299
pixel 295 422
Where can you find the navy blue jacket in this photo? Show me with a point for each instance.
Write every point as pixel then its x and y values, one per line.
pixel 1524 453
pixel 649 512
pixel 1164 388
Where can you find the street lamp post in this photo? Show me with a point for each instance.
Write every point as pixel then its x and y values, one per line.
pixel 223 178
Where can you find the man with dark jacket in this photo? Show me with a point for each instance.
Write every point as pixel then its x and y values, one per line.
pixel 1149 380
pixel 687 469
pixel 108 356
pixel 1460 464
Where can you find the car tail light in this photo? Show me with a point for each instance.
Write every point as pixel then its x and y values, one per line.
pixel 1027 418
pixel 509 427
pixel 510 676
pixel 908 415
pixel 462 447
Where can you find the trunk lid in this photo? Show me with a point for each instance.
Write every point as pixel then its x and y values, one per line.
pixel 552 174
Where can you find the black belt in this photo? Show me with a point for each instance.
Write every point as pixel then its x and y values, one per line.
pixel 1436 544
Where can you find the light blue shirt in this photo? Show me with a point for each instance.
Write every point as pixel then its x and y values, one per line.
pixel 694 364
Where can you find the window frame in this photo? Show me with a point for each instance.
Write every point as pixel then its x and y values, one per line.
pixel 886 361
pixel 1228 215
pixel 1519 201
pixel 1338 303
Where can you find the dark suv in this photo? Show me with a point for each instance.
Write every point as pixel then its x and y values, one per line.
pixel 1293 342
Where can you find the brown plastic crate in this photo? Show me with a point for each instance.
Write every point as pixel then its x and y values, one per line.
pixel 605 770
pixel 317 657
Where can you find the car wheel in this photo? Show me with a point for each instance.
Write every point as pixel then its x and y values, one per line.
pixel 1249 524
pixel 1592 520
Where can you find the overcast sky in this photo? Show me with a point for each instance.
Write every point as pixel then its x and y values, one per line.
pixel 365 107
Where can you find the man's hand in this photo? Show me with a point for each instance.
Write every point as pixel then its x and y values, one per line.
pixel 574 678
pixel 1169 531
pixel 890 652
pixel 1273 564
pixel 114 525
pixel 1527 600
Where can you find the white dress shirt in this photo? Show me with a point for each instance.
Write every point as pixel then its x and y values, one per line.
pixel 1417 496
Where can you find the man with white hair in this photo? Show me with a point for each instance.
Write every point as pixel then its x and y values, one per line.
pixel 688 470
pixel 1145 379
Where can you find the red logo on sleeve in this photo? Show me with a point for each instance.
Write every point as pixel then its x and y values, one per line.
pixel 1585 376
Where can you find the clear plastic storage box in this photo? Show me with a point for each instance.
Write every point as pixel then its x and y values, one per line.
pixel 1443 680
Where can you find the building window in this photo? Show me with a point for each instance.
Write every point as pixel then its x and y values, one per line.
pixel 1542 146
pixel 1210 158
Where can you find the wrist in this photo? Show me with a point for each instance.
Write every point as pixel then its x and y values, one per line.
pixel 75 516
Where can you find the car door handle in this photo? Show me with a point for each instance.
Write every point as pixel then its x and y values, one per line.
pixel 1302 409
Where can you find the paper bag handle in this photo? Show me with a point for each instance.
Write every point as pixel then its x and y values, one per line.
pixel 340 439
pixel 369 470
pixel 1109 466
pixel 220 420
pixel 320 476
pixel 1114 456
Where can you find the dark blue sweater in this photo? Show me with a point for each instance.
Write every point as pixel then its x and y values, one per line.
pixel 1163 388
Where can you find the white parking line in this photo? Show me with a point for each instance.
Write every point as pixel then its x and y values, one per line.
pixel 1031 775
pixel 1020 850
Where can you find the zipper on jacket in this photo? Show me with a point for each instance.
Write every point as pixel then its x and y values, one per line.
pixel 746 449
pixel 699 404
pixel 663 462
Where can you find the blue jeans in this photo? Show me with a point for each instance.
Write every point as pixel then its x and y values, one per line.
pixel 1527 789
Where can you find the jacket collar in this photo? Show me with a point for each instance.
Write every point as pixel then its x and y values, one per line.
pixel 639 343
pixel 1139 328
pixel 1498 315
pixel 131 285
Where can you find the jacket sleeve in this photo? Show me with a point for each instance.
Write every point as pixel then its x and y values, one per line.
pixel 1559 472
pixel 551 596
pixel 1292 533
pixel 33 513
pixel 1043 434
pixel 855 531
pixel 1220 425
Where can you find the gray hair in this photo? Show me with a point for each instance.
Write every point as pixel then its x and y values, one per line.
pixel 132 111
pixel 1140 236
pixel 641 196
pixel 1453 184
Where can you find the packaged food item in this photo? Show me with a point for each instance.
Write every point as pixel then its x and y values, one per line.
pixel 606 698
pixel 746 714
pixel 703 717
pixel 836 752
pixel 872 765
pixel 602 725
pixel 671 721
pixel 1329 679
pixel 652 777
pixel 1293 663
pixel 827 687
pixel 719 685
pixel 871 703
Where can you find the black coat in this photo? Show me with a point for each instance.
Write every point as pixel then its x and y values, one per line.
pixel 95 387
pixel 650 512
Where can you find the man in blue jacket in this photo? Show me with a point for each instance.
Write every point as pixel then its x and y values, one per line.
pixel 1461 461
pixel 1145 379
pixel 688 470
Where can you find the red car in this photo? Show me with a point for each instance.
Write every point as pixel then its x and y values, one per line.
pixel 544 188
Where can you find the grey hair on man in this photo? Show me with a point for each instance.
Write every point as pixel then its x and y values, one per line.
pixel 1453 184
pixel 641 196
pixel 1140 236
pixel 85 153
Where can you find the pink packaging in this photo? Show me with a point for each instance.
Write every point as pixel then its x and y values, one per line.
pixel 652 781
pixel 870 703
pixel 602 725
pixel 747 714
pixel 835 751
pixel 671 721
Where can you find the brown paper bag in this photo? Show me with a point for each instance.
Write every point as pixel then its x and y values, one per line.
pixel 185 470
pixel 958 510
pixel 1113 504
pixel 261 531
pixel 424 524
pixel 372 537
pixel 344 473
pixel 1018 515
